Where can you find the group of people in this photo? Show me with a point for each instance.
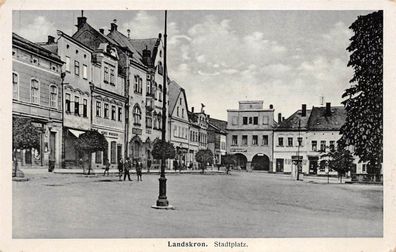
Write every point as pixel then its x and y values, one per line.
pixel 125 167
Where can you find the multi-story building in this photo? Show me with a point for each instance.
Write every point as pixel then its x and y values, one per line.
pixel 179 123
pixel 250 135
pixel 140 65
pixel 306 136
pixel 217 138
pixel 199 122
pixel 290 141
pixel 37 94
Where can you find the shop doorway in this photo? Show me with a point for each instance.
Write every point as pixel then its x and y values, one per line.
pixel 260 162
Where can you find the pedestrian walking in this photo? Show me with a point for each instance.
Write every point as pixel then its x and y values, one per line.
pixel 120 168
pixel 107 167
pixel 148 165
pixel 139 168
pixel 127 167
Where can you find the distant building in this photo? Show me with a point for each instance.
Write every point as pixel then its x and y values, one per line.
pixel 250 135
pixel 199 123
pixel 37 94
pixel 306 136
pixel 217 138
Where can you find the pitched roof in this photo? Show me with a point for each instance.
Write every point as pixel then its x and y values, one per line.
pixel 174 91
pixel 124 41
pixel 319 120
pixel 50 47
pixel 217 124
pixel 92 43
pixel 140 44
pixel 37 48
pixel 291 123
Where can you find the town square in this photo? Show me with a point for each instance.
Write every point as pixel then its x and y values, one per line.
pixel 197 124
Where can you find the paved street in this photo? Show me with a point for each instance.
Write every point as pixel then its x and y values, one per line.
pixel 237 205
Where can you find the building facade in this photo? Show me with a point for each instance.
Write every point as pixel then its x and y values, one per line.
pixel 217 139
pixel 250 135
pixel 37 94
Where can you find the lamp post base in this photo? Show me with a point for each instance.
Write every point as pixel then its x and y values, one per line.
pixel 168 207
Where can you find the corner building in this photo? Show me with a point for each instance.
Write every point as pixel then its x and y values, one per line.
pixel 250 135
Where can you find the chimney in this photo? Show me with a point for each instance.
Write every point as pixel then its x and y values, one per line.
pixel 129 33
pixel 271 106
pixel 101 30
pixel 279 117
pixel 113 26
pixel 283 118
pixel 192 109
pixel 328 109
pixel 80 22
pixel 50 40
pixel 304 110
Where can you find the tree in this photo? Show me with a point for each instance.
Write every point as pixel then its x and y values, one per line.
pixel 203 157
pixel 163 148
pixel 363 128
pixel 24 136
pixel 228 160
pixel 340 160
pixel 91 141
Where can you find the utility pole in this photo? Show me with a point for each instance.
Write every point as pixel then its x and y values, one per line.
pixel 162 202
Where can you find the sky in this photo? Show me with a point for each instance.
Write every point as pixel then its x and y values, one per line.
pixel 285 58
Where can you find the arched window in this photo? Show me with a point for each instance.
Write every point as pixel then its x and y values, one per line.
pixel 53 96
pixel 137 115
pixel 15 85
pixel 35 91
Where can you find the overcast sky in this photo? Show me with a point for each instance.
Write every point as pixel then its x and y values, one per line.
pixel 285 58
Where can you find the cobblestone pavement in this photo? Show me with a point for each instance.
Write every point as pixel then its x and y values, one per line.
pixel 237 205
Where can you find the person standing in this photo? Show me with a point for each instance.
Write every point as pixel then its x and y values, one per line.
pixel 175 165
pixel 120 168
pixel 148 165
pixel 107 167
pixel 138 168
pixel 127 167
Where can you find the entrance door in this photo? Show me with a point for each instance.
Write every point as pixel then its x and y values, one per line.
pixel 279 164
pixel 119 152
pixel 52 146
pixel 28 156
pixel 260 162
pixel 313 166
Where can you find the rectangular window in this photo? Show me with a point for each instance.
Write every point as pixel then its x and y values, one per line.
pixel 85 108
pixel 76 105
pixel 174 130
pixel 76 67
pixel 98 109
pixel 245 140
pixel 364 167
pixel 53 96
pixel 67 64
pixel 245 120
pixel 322 145
pixel 120 114
pixel 15 85
pixel 106 75
pixel 265 140
pixel 314 145
pixel 299 139
pixel 265 120
pixel 332 145
pixel 85 72
pixel 35 91
pixel 106 111
pixel 98 157
pixel 290 141
pixel 113 112
pixel 234 120
pixel 160 96
pixel 280 141
pixel 234 140
pixel 182 113
pixel 113 153
pixel 67 100
pixel 255 120
pixel 254 140
pixel 112 77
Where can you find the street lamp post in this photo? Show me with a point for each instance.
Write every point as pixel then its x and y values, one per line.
pixel 162 201
pixel 298 150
